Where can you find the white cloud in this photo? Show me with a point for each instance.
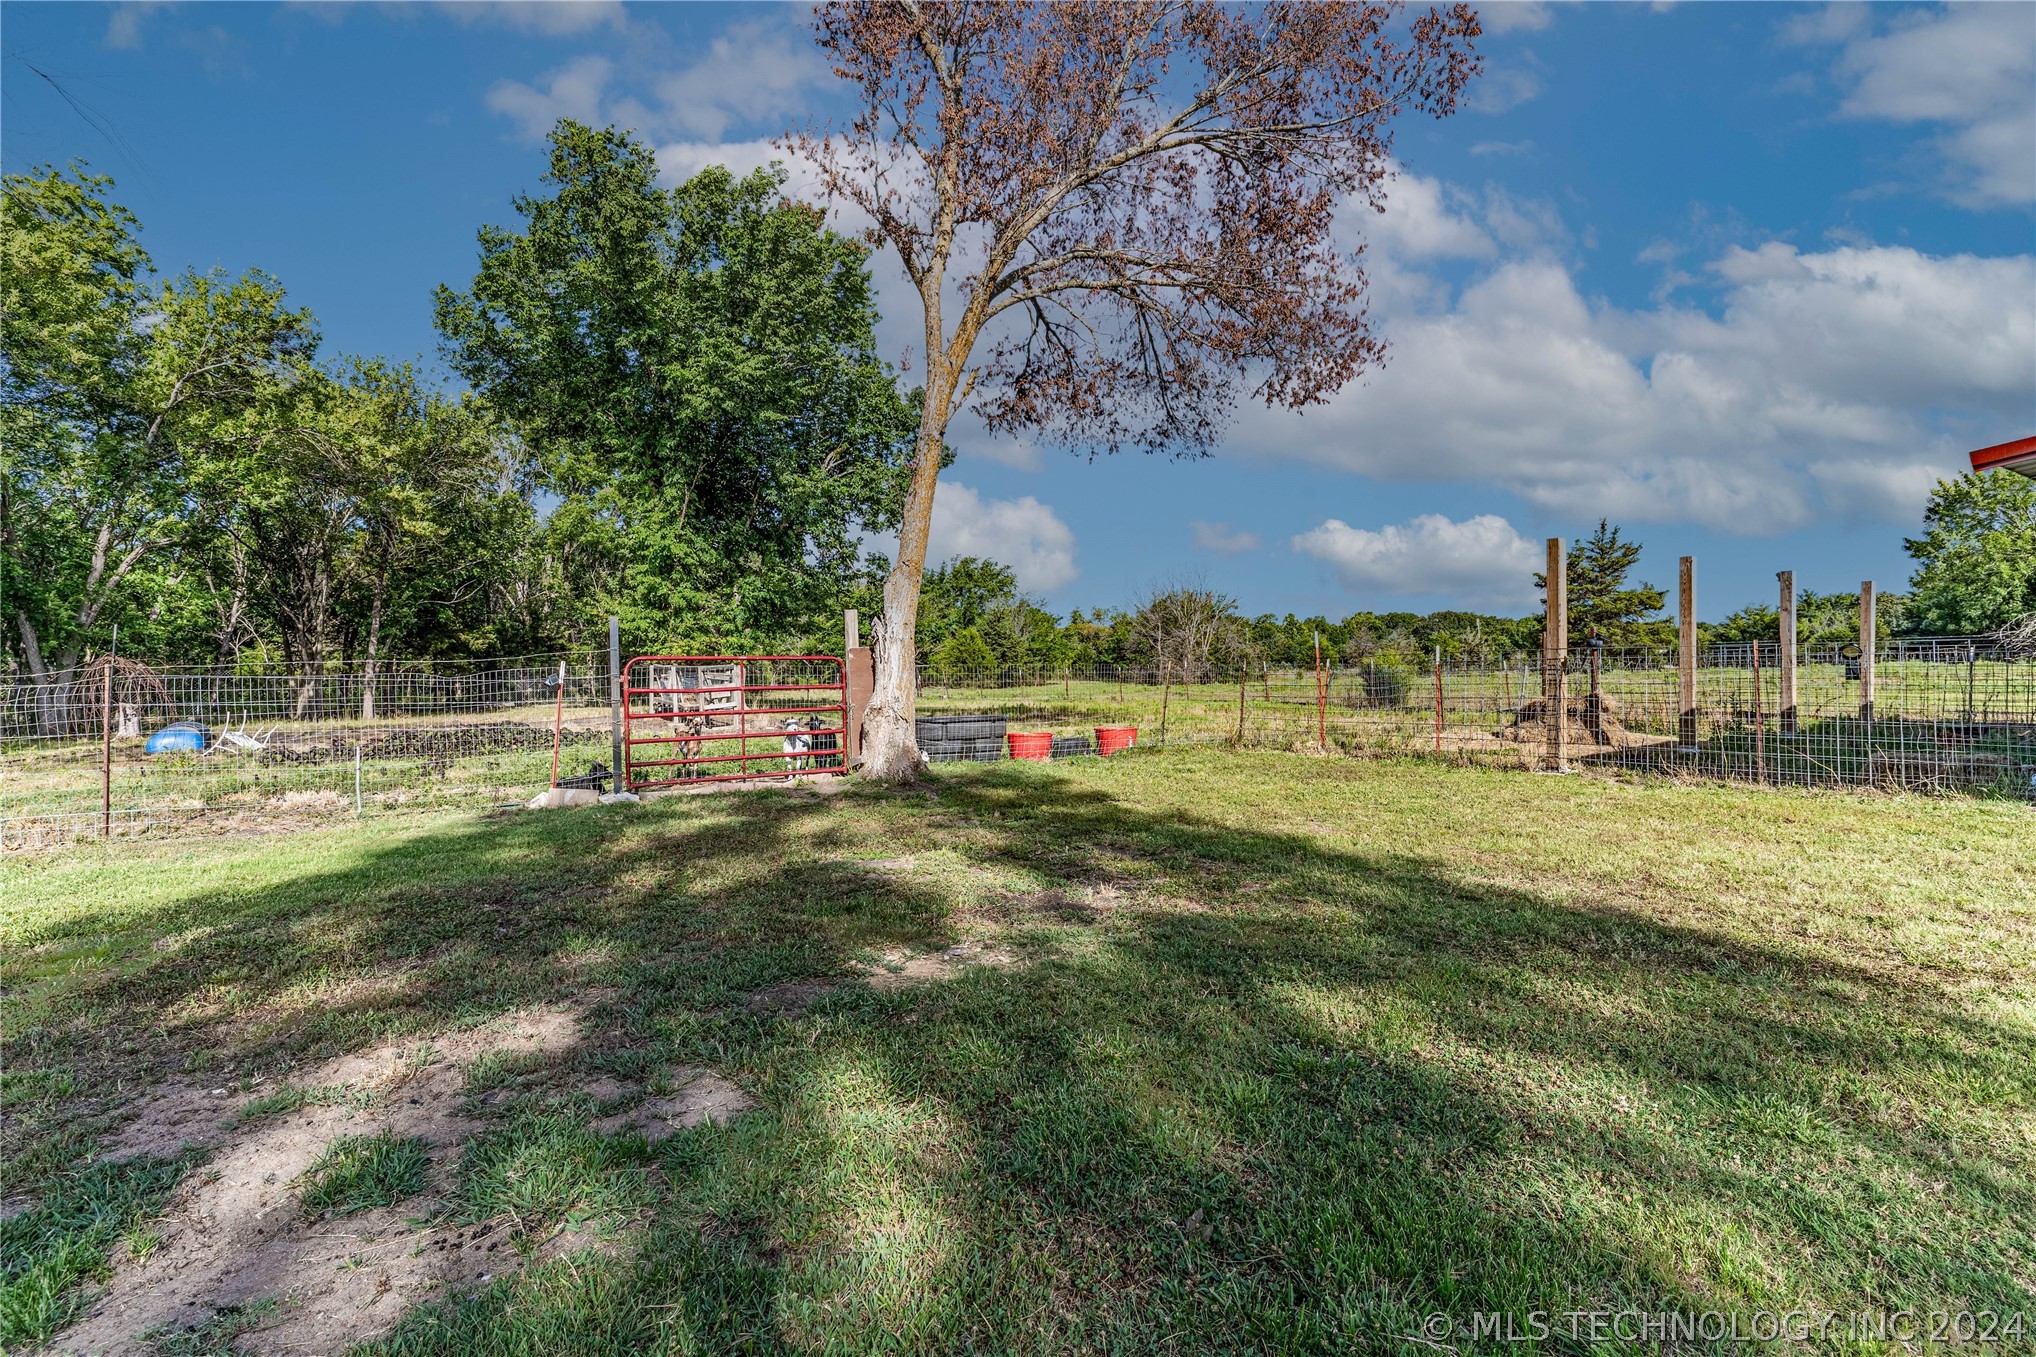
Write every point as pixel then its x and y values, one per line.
pixel 1514 16
pixel 753 72
pixel 123 26
pixel 553 18
pixel 1966 68
pixel 1833 383
pixel 679 161
pixel 572 91
pixel 1503 148
pixel 1022 533
pixel 1481 561
pixel 1218 538
pixel 1888 490
pixel 1015 451
pixel 1425 220
pixel 1502 88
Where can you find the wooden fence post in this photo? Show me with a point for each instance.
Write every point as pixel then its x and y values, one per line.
pixel 615 703
pixel 1866 634
pixel 558 723
pixel 1686 660
pixel 1555 659
pixel 1786 629
pixel 859 680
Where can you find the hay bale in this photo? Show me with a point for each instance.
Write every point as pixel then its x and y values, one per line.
pixel 1588 720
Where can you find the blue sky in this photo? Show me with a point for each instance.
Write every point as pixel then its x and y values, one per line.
pixel 1745 278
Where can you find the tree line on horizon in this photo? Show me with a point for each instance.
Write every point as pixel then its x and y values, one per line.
pixel 675 414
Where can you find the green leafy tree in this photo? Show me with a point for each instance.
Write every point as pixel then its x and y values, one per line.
pixel 1976 559
pixel 113 392
pixel 1821 620
pixel 961 593
pixel 358 503
pixel 695 371
pixel 963 652
pixel 1601 601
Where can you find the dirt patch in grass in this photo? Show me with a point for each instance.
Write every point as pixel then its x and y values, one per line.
pixel 702 1096
pixel 1062 906
pixel 900 969
pixel 236 1233
pixel 791 997
pixel 166 1119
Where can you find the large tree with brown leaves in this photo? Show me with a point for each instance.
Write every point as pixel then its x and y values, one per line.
pixel 1118 217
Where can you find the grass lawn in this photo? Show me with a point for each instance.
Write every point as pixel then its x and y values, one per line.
pixel 1195 1053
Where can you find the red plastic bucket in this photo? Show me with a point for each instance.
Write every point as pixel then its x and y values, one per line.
pixel 1115 739
pixel 1031 744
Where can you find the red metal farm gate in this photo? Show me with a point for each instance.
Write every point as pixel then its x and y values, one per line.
pixel 721 718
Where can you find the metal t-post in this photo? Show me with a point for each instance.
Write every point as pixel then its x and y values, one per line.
pixel 1555 659
pixel 1686 655
pixel 106 743
pixel 1785 627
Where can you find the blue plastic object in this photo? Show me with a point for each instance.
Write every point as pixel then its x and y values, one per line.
pixel 178 737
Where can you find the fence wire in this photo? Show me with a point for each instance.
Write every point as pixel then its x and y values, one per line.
pixel 1957 718
pixel 275 744
pixel 243 746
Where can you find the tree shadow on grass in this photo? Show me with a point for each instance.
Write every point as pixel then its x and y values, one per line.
pixel 1304 1116
pixel 1256 1093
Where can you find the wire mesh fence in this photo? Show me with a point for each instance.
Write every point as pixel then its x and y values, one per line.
pixel 127 746
pixel 1948 718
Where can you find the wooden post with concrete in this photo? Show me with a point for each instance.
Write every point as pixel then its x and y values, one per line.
pixel 1785 635
pixel 615 703
pixel 1686 658
pixel 1866 633
pixel 859 677
pixel 1555 659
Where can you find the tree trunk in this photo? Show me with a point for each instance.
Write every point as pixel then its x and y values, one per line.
pixel 374 645
pixel 48 690
pixel 890 753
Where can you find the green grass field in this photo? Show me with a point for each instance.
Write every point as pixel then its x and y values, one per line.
pixel 1206 1053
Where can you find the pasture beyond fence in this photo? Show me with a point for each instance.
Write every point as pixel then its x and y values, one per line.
pixel 281 744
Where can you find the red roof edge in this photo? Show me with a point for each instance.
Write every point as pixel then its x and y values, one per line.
pixel 2020 455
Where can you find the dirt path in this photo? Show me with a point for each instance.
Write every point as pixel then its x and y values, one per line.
pixel 235 1235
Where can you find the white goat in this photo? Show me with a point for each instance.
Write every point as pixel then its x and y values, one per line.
pixel 797 744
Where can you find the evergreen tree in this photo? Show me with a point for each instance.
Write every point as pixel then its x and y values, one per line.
pixel 1600 599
